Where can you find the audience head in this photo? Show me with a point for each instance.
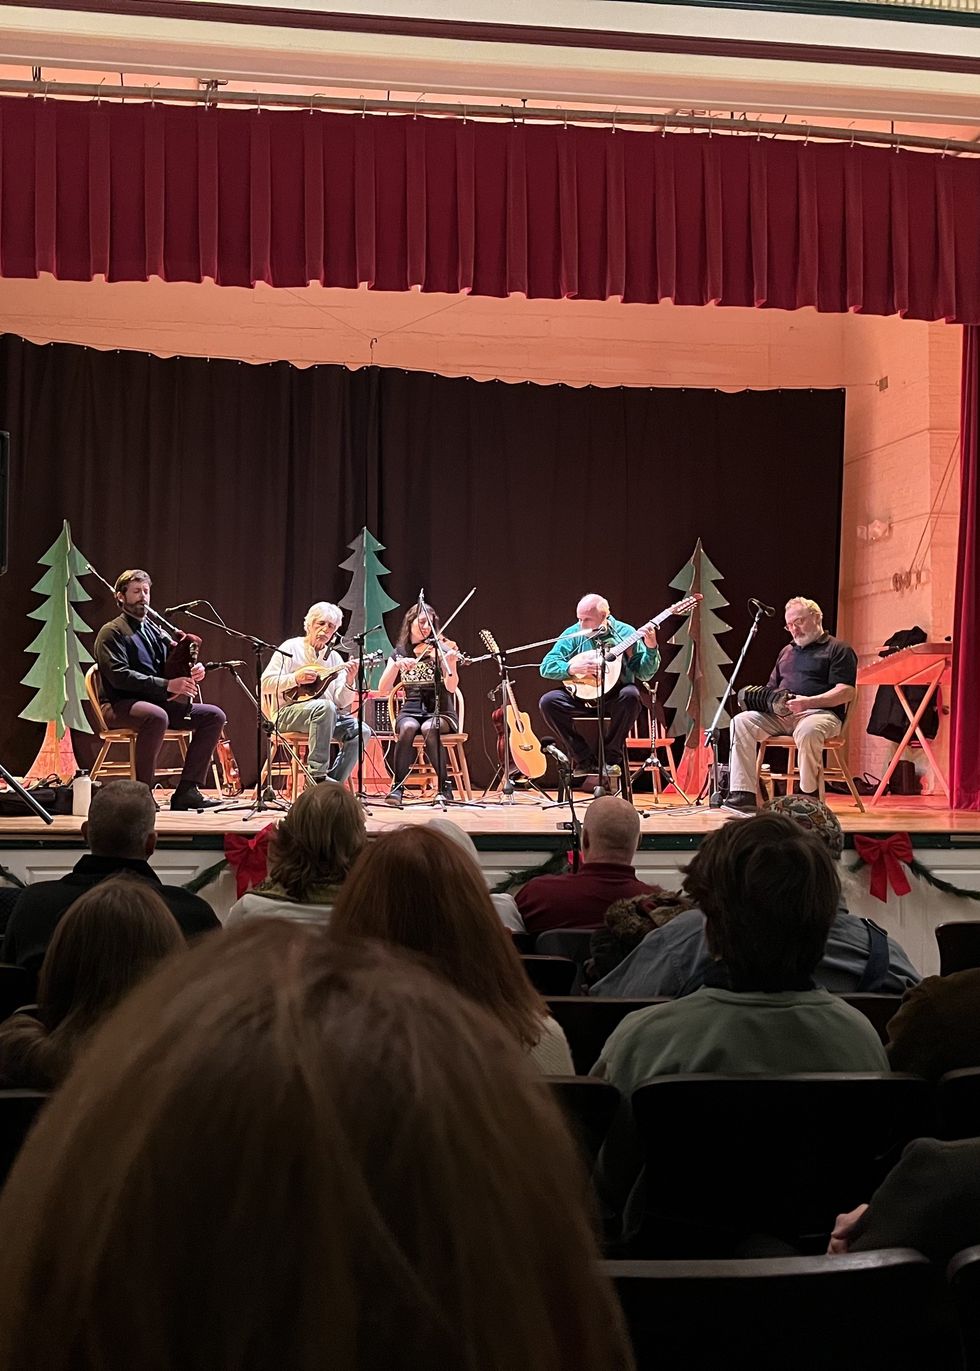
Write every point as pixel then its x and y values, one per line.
pixel 289 1152
pixel 108 941
pixel 813 815
pixel 317 841
pixel 769 893
pixel 416 889
pixel 611 831
pixel 121 821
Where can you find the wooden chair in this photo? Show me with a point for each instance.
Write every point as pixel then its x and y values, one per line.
pixel 833 769
pixel 863 1311
pixel 283 763
pixel 644 738
pixel 421 775
pixel 125 737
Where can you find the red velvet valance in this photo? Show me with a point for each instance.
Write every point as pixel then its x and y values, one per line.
pixel 290 197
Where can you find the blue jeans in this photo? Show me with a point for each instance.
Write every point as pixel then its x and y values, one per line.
pixel 321 722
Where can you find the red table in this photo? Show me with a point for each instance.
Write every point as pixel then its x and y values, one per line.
pixel 921 665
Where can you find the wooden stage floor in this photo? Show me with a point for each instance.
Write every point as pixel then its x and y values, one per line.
pixel 523 823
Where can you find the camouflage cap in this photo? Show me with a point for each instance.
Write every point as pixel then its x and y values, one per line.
pixel 812 814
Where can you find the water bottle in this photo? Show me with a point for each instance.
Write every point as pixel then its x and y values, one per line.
pixel 81 794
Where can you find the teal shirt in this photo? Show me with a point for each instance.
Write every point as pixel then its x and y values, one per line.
pixel 639 663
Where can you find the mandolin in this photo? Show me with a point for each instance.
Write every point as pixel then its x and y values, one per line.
pixel 312 690
pixel 524 746
pixel 582 683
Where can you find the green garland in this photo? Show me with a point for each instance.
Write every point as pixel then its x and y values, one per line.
pixel 923 872
pixel 210 873
pixel 551 866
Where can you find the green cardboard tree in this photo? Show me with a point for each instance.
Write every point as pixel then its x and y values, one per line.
pixel 367 601
pixel 700 679
pixel 57 674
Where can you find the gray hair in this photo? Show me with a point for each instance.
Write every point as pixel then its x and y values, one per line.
pixel 323 609
pixel 121 818
pixel 600 601
pixel 804 603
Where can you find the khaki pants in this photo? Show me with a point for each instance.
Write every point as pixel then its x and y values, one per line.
pixel 809 731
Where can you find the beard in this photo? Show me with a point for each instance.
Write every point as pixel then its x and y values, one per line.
pixel 807 638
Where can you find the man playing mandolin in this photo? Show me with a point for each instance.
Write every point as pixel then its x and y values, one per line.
pixel 574 660
pixel 309 689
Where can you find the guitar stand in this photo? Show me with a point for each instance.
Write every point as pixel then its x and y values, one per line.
pixel 506 791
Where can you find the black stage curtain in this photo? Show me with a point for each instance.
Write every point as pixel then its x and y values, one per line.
pixel 245 484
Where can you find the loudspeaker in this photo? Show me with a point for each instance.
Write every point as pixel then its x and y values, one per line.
pixel 4 481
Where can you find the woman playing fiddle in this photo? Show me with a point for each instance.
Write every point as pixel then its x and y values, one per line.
pixel 412 663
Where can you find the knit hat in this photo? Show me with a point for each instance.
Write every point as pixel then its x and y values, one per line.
pixel 814 816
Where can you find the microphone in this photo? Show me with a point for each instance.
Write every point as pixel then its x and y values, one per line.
pixel 188 604
pixel 214 666
pixel 767 610
pixel 549 746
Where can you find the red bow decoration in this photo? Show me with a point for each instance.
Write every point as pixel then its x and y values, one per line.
pixel 249 857
pixel 885 857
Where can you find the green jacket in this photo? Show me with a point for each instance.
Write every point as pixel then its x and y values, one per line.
pixel 639 663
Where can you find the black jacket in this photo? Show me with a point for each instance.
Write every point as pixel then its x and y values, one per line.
pixel 38 908
pixel 131 658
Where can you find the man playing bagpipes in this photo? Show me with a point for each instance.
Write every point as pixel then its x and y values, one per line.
pixel 149 680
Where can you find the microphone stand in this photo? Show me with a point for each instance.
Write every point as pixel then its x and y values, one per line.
pixel 711 732
pixel 652 760
pixel 265 798
pixel 600 640
pixel 26 796
pixel 359 639
pixel 573 825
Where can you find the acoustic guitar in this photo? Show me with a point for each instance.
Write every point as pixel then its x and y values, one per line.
pixel 524 746
pixel 312 690
pixel 585 686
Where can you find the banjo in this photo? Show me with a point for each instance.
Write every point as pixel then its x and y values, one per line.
pixel 583 684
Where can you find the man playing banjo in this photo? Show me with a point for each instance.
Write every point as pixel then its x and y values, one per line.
pixel 576 660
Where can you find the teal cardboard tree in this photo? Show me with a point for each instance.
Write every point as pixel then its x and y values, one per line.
pixel 367 601
pixel 700 679
pixel 57 673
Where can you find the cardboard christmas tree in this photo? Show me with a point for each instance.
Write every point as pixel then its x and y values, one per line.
pixel 366 599
pixel 57 675
pixel 698 665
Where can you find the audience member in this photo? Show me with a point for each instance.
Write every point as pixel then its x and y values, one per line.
pixel 285 1152
pixel 504 904
pixel 109 940
pixel 858 956
pixel 610 837
pixel 414 888
pixel 769 892
pixel 624 926
pixel 937 1028
pixel 930 1201
pixel 310 854
pixel 120 834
